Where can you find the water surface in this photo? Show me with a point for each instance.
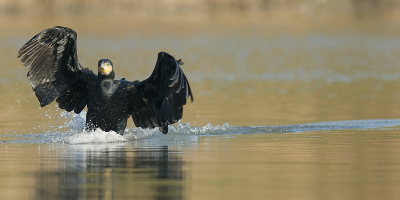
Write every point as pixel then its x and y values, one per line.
pixel 286 107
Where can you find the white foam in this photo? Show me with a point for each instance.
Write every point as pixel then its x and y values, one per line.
pixel 72 131
pixel 139 134
pixel 96 136
pixel 133 134
pixel 181 128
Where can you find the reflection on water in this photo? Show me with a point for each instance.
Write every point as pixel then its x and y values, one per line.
pixel 111 173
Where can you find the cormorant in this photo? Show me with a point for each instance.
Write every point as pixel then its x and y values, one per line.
pixel 55 73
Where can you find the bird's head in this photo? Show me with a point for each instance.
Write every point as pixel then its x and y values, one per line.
pixel 105 67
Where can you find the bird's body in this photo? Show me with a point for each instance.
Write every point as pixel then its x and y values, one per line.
pixel 55 73
pixel 103 93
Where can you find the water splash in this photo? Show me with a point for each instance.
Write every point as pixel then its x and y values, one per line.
pixel 97 136
pixel 73 131
pixel 72 121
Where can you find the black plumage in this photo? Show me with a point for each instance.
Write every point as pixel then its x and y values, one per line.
pixel 55 74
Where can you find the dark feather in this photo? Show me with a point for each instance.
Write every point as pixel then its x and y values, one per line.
pixel 162 95
pixel 54 70
pixel 55 73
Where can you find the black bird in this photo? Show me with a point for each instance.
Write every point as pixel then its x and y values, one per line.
pixel 55 73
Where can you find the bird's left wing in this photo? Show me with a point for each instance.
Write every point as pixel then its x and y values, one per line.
pixel 54 70
pixel 158 101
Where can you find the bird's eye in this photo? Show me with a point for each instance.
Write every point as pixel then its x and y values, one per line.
pixel 108 64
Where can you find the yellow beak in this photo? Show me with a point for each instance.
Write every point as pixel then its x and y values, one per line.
pixel 105 70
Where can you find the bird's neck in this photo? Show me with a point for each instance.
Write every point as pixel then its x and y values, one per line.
pixel 106 85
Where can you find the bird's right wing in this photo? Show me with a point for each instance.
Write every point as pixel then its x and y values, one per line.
pixel 54 70
pixel 158 100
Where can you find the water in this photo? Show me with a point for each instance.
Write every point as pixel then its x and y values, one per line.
pixel 286 107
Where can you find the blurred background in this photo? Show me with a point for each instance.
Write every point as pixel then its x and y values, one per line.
pixel 56 8
pixel 249 63
pixel 358 8
pixel 256 62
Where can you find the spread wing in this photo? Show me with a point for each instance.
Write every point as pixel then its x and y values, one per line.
pixel 158 101
pixel 54 70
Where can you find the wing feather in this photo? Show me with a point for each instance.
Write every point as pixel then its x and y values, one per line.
pixel 158 100
pixel 54 70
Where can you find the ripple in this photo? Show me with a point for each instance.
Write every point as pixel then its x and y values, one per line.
pixel 72 132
